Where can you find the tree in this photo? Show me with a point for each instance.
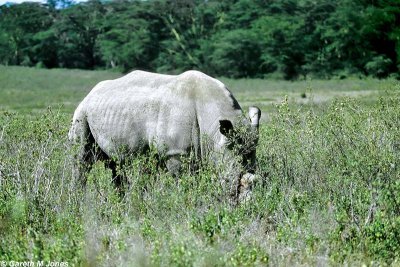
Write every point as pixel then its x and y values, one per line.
pixel 381 30
pixel 236 54
pixel 235 38
pixel 77 29
pixel 130 37
pixel 6 56
pixel 19 24
pixel 283 42
pixel 186 24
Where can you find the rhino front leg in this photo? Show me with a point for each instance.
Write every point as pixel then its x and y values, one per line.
pixel 245 187
pixel 174 165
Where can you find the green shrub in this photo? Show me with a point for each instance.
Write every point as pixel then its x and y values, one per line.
pixel 379 66
pixel 328 193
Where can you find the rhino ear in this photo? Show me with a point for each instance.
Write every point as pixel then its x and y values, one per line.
pixel 226 127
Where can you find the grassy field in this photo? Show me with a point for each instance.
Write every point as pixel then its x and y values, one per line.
pixel 328 194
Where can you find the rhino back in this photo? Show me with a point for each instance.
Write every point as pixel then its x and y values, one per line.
pixel 171 111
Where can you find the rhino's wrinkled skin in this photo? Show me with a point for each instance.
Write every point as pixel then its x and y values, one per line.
pixel 182 114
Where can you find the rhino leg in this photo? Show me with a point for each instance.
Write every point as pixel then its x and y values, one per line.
pixel 119 179
pixel 245 187
pixel 174 165
pixel 85 155
pixel 88 152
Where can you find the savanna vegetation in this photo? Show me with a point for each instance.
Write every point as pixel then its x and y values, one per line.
pixel 328 193
pixel 233 38
pixel 328 158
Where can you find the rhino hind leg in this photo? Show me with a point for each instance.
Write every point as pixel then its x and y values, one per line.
pixel 86 153
pixel 119 179
pixel 90 153
pixel 81 166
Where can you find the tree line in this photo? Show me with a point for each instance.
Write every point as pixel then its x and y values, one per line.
pixel 233 38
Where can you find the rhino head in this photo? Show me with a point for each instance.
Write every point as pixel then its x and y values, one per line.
pixel 241 142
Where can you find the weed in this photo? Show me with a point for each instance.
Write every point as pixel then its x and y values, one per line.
pixel 328 193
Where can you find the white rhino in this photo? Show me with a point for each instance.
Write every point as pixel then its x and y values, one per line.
pixel 178 115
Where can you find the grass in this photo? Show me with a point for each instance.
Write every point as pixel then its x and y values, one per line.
pixel 310 92
pixel 328 192
pixel 28 90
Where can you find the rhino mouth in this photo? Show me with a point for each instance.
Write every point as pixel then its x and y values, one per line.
pixel 245 187
pixel 247 179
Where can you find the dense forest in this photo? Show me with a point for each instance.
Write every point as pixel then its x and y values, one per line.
pixel 233 38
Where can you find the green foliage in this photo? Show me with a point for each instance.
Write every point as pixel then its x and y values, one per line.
pixel 37 197
pixel 378 66
pixel 327 191
pixel 245 255
pixel 130 36
pixel 382 237
pixel 236 54
pixel 19 25
pixel 231 38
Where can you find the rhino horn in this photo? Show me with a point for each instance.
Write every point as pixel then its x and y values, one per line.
pixel 255 115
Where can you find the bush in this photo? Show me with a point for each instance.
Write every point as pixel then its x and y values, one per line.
pixel 328 193
pixel 379 66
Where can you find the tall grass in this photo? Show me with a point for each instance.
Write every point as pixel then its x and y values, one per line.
pixel 328 193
